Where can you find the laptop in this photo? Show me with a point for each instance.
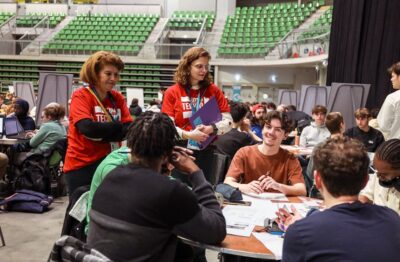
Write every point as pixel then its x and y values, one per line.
pixel 13 129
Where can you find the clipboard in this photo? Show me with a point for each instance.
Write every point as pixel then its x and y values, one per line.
pixel 206 115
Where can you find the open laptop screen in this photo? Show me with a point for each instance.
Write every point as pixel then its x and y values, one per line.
pixel 11 126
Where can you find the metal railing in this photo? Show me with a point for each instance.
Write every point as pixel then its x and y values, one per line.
pixel 286 47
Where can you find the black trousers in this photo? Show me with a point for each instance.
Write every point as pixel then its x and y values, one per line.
pixel 81 177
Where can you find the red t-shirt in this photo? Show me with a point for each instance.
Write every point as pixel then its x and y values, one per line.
pixel 176 103
pixel 81 150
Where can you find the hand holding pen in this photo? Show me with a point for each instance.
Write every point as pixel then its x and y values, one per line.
pixel 286 218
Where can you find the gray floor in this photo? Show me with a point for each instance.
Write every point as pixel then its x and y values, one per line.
pixel 30 237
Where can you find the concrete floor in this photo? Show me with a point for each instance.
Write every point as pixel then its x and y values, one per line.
pixel 30 237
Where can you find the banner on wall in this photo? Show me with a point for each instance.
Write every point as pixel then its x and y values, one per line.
pixel 236 90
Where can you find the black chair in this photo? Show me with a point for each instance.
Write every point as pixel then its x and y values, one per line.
pixel 71 226
pixel 68 248
pixel 220 166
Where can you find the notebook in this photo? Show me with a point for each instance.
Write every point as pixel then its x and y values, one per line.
pixel 13 128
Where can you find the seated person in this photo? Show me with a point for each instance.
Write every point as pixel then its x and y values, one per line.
pixel 267 166
pixel 21 108
pixel 347 230
pixel 335 124
pixel 317 131
pixel 258 114
pixel 137 213
pixel 369 136
pixel 383 187
pixel 116 158
pixel 51 129
pixel 239 136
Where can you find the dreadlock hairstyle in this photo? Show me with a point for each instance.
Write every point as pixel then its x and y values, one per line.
pixel 389 151
pixel 152 135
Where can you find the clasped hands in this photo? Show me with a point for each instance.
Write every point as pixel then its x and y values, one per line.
pixel 263 183
pixel 200 133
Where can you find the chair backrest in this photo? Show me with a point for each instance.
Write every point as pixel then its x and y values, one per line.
pixel 220 165
pixel 68 248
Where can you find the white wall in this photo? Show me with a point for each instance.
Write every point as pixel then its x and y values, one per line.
pixel 119 9
pixel 186 5
pixel 8 8
pixel 225 8
pixel 258 80
pixel 46 8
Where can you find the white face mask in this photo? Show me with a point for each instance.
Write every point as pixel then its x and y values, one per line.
pixel 269 110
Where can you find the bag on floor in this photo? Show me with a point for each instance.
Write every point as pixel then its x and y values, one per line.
pixel 27 201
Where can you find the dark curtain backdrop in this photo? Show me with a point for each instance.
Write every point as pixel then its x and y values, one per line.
pixel 365 41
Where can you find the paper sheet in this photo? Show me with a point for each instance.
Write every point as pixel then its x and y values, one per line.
pixel 272 242
pixel 239 220
pixel 269 196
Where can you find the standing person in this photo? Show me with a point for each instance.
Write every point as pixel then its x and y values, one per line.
pixel 389 116
pixel 347 230
pixel 317 131
pixel 134 109
pixel 99 118
pixel 369 136
pixel 192 90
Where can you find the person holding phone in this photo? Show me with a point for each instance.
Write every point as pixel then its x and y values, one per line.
pixel 138 212
pixel 98 121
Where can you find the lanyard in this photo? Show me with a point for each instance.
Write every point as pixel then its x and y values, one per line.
pixel 195 108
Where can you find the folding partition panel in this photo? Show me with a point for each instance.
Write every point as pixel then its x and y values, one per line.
pixel 288 97
pixel 24 90
pixel 53 88
pixel 346 98
pixel 311 95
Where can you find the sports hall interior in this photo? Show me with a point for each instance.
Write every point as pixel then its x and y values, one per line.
pixel 261 51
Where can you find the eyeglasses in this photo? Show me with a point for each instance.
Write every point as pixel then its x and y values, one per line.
pixel 200 67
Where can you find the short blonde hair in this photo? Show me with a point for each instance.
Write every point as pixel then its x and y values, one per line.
pixel 96 62
pixel 54 111
pixel 182 74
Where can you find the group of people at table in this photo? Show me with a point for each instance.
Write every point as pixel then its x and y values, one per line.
pixel 136 211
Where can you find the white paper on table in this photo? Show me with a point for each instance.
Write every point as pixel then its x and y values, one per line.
pixel 273 242
pixel 269 196
pixel 239 220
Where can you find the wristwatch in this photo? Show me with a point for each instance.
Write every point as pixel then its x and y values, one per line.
pixel 215 129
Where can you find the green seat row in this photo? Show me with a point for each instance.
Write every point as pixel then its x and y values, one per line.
pixel 191 20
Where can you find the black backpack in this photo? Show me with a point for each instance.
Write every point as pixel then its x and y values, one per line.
pixel 33 174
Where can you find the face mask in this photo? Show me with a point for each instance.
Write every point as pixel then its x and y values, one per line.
pixel 395 182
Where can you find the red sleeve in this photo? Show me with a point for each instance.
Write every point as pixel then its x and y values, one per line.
pixel 222 101
pixel 168 102
pixel 81 106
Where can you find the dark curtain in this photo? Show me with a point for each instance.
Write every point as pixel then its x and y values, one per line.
pixel 364 43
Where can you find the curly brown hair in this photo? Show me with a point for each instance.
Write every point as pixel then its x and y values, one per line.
pixel 96 62
pixel 182 74
pixel 343 165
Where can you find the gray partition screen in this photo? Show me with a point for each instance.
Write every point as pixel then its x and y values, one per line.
pixel 288 97
pixel 24 90
pixel 346 98
pixel 311 95
pixel 53 88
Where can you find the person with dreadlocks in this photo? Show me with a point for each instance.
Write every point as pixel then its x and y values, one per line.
pixel 383 187
pixel 137 212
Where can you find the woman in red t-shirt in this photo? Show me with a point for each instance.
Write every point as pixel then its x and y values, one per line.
pixel 99 119
pixel 192 90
